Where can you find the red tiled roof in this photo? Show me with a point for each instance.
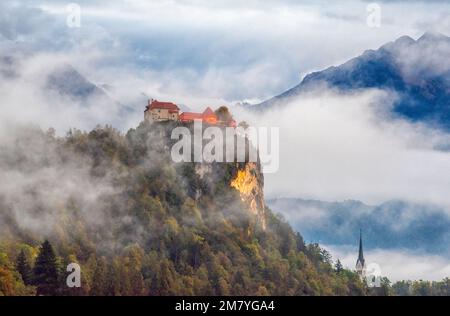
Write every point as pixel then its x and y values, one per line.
pixel 162 105
pixel 189 116
pixel 207 116
pixel 208 112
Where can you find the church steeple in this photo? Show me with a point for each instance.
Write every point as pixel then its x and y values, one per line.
pixel 360 263
pixel 360 255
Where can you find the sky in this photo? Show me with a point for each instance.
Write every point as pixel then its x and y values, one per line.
pixel 215 51
pixel 197 53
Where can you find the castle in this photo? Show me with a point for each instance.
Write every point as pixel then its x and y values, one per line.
pixel 157 111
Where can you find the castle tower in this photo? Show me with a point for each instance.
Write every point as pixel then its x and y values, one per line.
pixel 360 263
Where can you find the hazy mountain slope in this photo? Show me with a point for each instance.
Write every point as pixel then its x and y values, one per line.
pixel 391 225
pixel 67 81
pixel 418 71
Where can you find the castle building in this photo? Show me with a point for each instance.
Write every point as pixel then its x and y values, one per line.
pixel 161 111
pixel 207 116
pixel 157 111
pixel 360 263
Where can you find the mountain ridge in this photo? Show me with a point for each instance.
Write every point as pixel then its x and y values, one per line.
pixel 388 225
pixel 415 70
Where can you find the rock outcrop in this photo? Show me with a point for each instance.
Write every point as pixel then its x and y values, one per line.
pixel 249 181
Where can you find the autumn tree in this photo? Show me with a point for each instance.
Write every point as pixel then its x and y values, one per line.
pixel 100 285
pixel 223 114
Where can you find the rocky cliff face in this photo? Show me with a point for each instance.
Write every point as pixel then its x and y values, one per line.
pixel 249 181
pixel 246 178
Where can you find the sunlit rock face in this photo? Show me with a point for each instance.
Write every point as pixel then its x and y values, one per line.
pixel 249 181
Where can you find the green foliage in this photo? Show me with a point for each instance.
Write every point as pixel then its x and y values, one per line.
pixel 422 288
pixel 383 290
pixel 338 267
pixel 24 268
pixel 45 272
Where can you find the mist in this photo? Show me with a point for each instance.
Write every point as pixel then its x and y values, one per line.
pixel 397 264
pixel 337 146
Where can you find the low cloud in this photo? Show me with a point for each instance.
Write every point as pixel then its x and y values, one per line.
pixel 391 225
pixel 40 182
pixel 28 100
pixel 346 146
pixel 397 264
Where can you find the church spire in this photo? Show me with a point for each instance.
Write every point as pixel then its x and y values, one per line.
pixel 360 263
pixel 360 255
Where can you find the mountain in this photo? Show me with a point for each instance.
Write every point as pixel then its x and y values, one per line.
pixel 62 79
pixel 390 225
pixel 417 71
pixel 67 81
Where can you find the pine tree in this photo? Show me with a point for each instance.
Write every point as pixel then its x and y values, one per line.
pixel 46 271
pixel 24 268
pixel 338 267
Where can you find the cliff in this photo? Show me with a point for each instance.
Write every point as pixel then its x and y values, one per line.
pixel 249 181
pixel 245 177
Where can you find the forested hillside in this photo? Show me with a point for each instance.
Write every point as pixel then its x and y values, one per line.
pixel 139 224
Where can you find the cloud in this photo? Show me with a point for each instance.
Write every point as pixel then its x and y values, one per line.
pixel 345 146
pixel 40 182
pixel 26 99
pixel 231 50
pixel 424 58
pixel 396 264
pixel 391 225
